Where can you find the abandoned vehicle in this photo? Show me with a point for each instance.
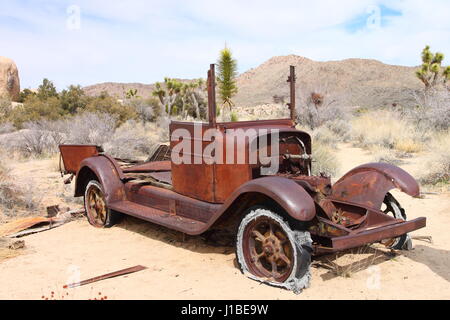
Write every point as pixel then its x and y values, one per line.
pixel 279 219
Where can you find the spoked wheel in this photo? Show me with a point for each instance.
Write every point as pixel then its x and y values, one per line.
pixel 392 207
pixel 268 250
pixel 98 213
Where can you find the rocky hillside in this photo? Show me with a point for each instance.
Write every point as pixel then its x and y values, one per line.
pixel 355 82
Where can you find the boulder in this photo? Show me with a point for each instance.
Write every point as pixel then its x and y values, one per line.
pixel 9 79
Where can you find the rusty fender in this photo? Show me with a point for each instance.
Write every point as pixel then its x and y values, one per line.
pixel 288 194
pixel 108 174
pixel 368 184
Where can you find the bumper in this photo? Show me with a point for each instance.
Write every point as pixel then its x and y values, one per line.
pixel 378 234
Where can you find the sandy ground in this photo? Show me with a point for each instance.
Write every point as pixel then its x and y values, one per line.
pixel 193 269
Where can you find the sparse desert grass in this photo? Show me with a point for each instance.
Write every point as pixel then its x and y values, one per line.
pixel 388 130
pixel 386 155
pixel 323 160
pixel 15 199
pixel 436 170
pixel 325 136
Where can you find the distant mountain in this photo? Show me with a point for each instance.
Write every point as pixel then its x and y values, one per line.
pixel 119 89
pixel 355 82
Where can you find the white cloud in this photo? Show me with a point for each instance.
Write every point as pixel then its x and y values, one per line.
pixel 142 41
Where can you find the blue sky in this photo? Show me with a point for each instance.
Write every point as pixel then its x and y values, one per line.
pixel 144 41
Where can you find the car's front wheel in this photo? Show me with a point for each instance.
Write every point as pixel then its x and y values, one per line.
pixel 268 250
pixel 392 207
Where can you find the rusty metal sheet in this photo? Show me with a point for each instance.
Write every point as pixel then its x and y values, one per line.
pixel 72 155
pixel 149 166
pixel 377 234
pixel 368 184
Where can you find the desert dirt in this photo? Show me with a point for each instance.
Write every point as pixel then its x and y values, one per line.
pixel 191 268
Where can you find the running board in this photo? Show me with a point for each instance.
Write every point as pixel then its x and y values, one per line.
pixel 160 217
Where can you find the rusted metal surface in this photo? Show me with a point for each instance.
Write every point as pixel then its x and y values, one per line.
pixel 368 184
pixel 377 234
pixel 154 166
pixel 72 155
pixel 106 276
pixel 104 170
pixel 285 192
pixel 267 250
pixel 292 79
pixel 211 84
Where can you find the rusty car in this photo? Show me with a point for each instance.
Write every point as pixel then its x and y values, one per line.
pixel 279 220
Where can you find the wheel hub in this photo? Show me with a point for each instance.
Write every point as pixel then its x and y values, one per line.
pixel 269 250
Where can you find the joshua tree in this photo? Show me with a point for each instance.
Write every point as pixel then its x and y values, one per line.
pixel 181 98
pixel 46 90
pixel 431 72
pixel 132 93
pixel 226 77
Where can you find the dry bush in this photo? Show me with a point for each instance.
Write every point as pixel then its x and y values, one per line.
pixel 432 111
pixel 324 160
pixel 386 155
pixel 325 136
pixel 388 130
pixel 130 141
pixel 15 197
pixel 6 127
pixel 89 128
pixel 436 169
pixel 36 139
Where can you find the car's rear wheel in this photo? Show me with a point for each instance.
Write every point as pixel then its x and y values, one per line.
pixel 268 250
pixel 392 207
pixel 98 213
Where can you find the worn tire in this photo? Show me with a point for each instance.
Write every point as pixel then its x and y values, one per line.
pixel 110 217
pixel 394 208
pixel 298 244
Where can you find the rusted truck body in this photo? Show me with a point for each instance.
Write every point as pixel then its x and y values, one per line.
pixel 279 220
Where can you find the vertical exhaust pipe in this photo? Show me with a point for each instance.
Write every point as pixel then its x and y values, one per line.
pixel 291 79
pixel 212 114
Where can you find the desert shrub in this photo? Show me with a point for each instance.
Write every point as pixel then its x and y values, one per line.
pixel 324 160
pixel 89 128
pixel 6 127
pixel 46 90
pixel 35 109
pixel 325 136
pixel 5 107
pixel 432 111
pixel 147 110
pixel 341 128
pixel 73 99
pixel 13 196
pixel 104 103
pixel 385 155
pixel 234 117
pixel 312 116
pixel 36 139
pixel 130 141
pixel 23 95
pixel 437 168
pixel 388 130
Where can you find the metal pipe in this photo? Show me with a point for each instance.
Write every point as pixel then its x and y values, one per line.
pixel 212 96
pixel 291 104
